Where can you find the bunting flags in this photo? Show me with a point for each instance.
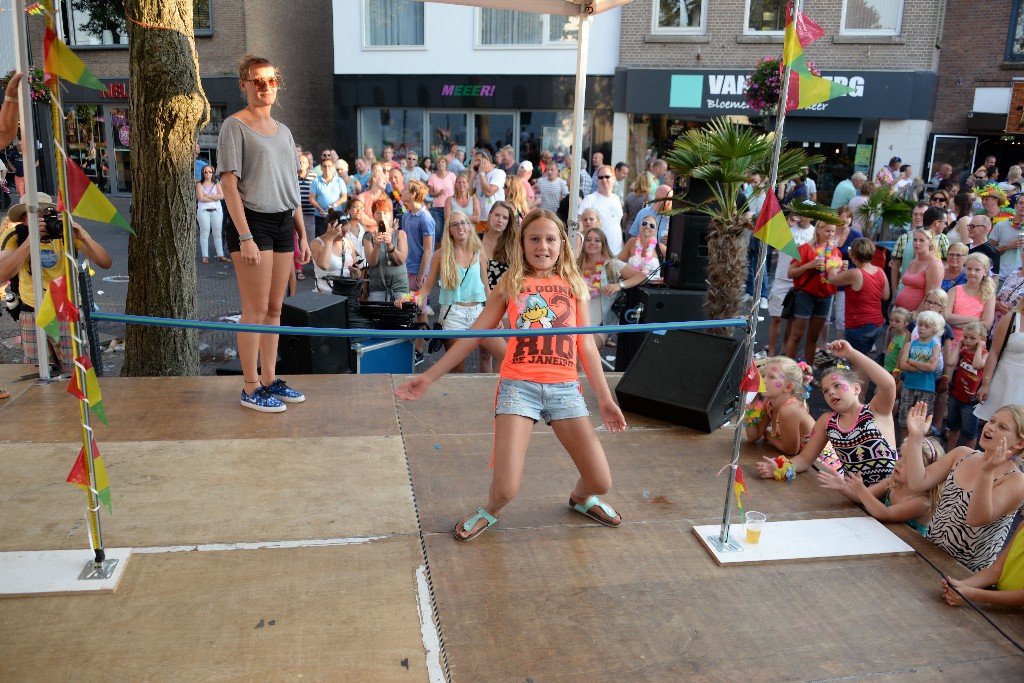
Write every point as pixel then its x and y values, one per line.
pixel 805 88
pixel 739 486
pixel 35 9
pixel 79 475
pixel 91 389
pixel 86 199
pixel 772 227
pixel 46 316
pixel 60 61
pixel 752 381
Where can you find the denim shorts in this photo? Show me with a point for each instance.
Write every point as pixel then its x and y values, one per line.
pixel 559 401
pixel 863 338
pixel 810 306
pixel 960 416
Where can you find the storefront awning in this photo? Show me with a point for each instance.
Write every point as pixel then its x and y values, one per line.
pixel 985 122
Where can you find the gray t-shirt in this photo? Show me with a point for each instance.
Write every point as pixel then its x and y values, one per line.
pixel 266 166
pixel 1004 233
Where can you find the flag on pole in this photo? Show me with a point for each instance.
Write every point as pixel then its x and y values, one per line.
pixel 752 381
pixel 79 475
pixel 772 227
pixel 65 309
pixel 35 9
pixel 800 32
pixel 739 486
pixel 86 199
pixel 807 90
pixel 91 389
pixel 46 316
pixel 60 61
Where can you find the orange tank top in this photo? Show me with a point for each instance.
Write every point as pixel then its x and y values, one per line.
pixel 544 359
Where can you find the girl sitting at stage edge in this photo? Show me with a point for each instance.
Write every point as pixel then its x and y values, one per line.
pixel 862 435
pixel 780 416
pixel 891 500
pixel 982 490
pixel 1002 583
pixel 542 289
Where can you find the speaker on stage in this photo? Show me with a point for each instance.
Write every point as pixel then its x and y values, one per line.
pixel 307 355
pixel 687 252
pixel 655 304
pixel 686 378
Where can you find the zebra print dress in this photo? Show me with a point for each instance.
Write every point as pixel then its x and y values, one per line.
pixel 863 450
pixel 975 547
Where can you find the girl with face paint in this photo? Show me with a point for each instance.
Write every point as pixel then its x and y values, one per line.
pixel 780 416
pixel 861 435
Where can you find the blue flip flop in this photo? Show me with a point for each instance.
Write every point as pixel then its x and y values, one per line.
pixel 471 522
pixel 586 508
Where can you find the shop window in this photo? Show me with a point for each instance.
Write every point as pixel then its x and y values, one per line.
pixel 502 27
pixel 679 16
pixel 551 131
pixel 872 17
pixel 392 23
pixel 1015 39
pixel 102 22
pixel 766 16
pixel 400 128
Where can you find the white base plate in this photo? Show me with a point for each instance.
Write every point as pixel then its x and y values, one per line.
pixel 55 572
pixel 807 539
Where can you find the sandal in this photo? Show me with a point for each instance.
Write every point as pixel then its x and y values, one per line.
pixel 586 508
pixel 224 259
pixel 206 260
pixel 472 521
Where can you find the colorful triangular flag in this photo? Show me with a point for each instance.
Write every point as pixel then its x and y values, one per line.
pixel 65 309
pixel 752 381
pixel 60 61
pixel 79 475
pixel 92 389
pixel 46 316
pixel 807 90
pixel 773 228
pixel 35 9
pixel 739 486
pixel 87 201
pixel 800 32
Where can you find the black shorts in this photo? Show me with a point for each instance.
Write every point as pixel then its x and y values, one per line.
pixel 270 231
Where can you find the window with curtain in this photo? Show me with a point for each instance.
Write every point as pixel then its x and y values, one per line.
pixel 1015 39
pixel 766 15
pixel 390 23
pixel 867 17
pixel 679 16
pixel 508 27
pixel 101 22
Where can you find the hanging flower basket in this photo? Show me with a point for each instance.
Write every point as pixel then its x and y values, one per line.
pixel 40 93
pixel 765 83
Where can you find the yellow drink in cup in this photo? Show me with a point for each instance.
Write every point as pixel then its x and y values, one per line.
pixel 754 524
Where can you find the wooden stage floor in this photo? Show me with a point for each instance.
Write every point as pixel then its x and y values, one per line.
pixel 316 545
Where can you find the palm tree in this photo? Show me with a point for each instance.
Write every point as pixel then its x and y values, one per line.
pixel 719 156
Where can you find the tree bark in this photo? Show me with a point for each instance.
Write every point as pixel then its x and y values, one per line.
pixel 167 108
pixel 727 269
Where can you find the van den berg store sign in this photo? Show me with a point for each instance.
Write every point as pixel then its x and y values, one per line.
pixel 885 94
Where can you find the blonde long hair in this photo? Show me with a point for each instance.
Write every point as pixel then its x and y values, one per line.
pixel 986 288
pixel 449 275
pixel 511 284
pixel 515 194
pixel 606 252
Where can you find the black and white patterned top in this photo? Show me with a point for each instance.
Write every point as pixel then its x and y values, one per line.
pixel 975 547
pixel 494 272
pixel 863 449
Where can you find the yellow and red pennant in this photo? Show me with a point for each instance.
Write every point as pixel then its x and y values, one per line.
pixel 60 61
pixel 87 201
pixel 773 228
pixel 79 475
pixel 805 88
pixel 91 389
pixel 752 381
pixel 740 487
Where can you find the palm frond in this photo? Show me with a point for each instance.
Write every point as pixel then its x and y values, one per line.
pixel 816 212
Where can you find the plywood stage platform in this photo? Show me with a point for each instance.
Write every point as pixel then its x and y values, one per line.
pixel 316 545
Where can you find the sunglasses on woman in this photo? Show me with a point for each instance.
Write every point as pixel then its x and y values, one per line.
pixel 261 83
pixel 938 200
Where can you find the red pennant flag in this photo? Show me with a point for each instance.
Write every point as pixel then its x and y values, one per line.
pixel 79 475
pixel 739 486
pixel 752 380
pixel 65 310
pixel 87 201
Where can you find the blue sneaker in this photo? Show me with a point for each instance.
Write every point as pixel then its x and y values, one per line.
pixel 263 401
pixel 283 392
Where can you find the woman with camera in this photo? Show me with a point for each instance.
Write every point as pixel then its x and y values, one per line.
pixel 386 250
pixel 325 193
pixel 333 254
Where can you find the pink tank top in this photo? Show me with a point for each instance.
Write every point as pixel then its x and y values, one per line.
pixel 912 294
pixel 966 304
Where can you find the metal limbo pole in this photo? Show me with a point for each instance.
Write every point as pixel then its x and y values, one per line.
pixel 28 145
pixel 99 567
pixel 722 542
pixel 578 114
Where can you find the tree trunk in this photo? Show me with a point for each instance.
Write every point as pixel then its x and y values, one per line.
pixel 727 271
pixel 167 108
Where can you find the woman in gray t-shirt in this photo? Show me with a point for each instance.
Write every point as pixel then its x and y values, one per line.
pixel 257 160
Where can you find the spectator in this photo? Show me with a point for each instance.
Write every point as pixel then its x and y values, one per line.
pixel 662 193
pixel 619 186
pixel 551 188
pixel 462 200
pixel 608 207
pixel 210 215
pixel 655 172
pixel 419 226
pixel 636 200
pixel 888 174
pixel 488 183
pixel 410 171
pixel 526 175
pixel 1007 238
pixel 978 232
pixel 848 189
pixel 325 193
pixel 9 111
pixel 362 173
pixel 200 165
pixel 442 186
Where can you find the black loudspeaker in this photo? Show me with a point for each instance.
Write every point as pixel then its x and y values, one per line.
pixel 686 378
pixel 688 252
pixel 655 305
pixel 305 355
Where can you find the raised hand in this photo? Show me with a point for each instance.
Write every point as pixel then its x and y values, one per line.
pixel 918 420
pixel 840 348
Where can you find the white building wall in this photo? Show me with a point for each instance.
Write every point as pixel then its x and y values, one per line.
pixel 907 140
pixel 450 37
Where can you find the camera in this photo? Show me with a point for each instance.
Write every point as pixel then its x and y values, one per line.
pixel 381 227
pixel 54 225
pixel 335 216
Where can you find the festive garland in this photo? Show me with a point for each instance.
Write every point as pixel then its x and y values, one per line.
pixel 413 297
pixel 754 412
pixel 40 93
pixel 784 470
pixel 592 275
pixel 833 259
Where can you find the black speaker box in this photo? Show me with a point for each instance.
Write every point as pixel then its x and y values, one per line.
pixel 686 378
pixel 688 252
pixel 311 355
pixel 655 305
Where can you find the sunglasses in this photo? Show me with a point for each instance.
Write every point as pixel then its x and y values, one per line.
pixel 980 177
pixel 648 225
pixel 261 83
pixel 978 225
pixel 938 200
pixel 603 177
pixel 457 224
pixel 934 303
